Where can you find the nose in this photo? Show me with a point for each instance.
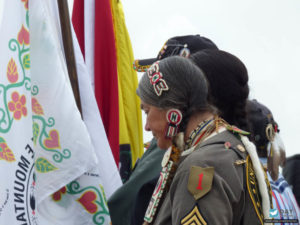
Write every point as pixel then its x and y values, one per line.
pixel 147 128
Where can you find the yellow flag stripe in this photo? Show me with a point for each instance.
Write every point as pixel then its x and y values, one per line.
pixel 130 127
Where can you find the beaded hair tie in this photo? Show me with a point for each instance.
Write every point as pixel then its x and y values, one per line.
pixel 156 79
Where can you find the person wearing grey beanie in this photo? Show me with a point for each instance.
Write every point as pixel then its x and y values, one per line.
pixel 204 169
pixel 187 89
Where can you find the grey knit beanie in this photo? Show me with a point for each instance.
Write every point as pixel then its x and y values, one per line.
pixel 182 85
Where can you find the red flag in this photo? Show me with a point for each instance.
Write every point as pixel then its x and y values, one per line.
pixel 78 23
pixel 105 67
pixel 106 80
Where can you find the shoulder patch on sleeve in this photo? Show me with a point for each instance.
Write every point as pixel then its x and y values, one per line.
pixel 194 217
pixel 200 181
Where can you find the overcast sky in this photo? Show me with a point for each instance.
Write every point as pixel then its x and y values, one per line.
pixel 264 34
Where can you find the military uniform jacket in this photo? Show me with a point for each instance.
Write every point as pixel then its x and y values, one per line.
pixel 209 186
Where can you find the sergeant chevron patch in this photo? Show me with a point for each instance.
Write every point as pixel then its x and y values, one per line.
pixel 193 218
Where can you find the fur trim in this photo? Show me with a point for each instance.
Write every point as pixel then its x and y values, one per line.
pixel 179 141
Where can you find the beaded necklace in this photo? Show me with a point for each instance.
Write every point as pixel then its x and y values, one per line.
pixel 203 130
pixel 199 132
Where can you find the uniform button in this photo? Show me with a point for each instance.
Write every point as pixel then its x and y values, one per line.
pixel 241 148
pixel 239 162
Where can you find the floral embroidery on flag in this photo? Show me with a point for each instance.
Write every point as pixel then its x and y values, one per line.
pixel 42 165
pixel 36 107
pixel 58 195
pixel 25 4
pixel 92 199
pixel 18 105
pixel 5 152
pixel 12 72
pixel 15 107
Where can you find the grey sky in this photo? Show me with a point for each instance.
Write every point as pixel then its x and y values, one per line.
pixel 264 34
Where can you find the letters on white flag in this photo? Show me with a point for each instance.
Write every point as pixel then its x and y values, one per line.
pixel 47 157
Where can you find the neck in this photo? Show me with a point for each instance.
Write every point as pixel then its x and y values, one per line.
pixel 194 121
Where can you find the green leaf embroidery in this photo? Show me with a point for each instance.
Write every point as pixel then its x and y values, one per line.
pixel 36 130
pixel 27 18
pixel 103 193
pixel 2 140
pixel 26 61
pixel 43 166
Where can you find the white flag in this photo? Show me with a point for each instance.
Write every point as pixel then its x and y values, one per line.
pixel 17 185
pixel 40 123
pixel 81 201
pixel 107 168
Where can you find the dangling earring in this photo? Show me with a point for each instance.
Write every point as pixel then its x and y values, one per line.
pixel 174 117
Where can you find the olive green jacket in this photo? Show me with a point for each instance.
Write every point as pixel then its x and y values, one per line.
pixel 217 197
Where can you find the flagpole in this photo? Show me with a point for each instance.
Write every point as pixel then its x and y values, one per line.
pixel 68 48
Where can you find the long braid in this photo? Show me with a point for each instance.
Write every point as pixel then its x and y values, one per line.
pixel 228 88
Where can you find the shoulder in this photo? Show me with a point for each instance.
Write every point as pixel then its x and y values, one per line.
pixel 221 162
pixel 221 151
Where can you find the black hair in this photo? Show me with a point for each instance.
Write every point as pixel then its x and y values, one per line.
pixel 259 117
pixel 228 88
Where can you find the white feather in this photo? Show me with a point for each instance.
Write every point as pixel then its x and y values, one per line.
pixel 279 143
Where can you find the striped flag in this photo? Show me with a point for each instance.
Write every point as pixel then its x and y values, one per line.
pixel 100 56
pixel 131 130
pixel 91 20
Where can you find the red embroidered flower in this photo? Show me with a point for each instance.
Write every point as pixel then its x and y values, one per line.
pixel 57 195
pixel 25 3
pixel 23 36
pixel 17 105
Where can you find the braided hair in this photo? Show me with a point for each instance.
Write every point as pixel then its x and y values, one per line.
pixel 228 88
